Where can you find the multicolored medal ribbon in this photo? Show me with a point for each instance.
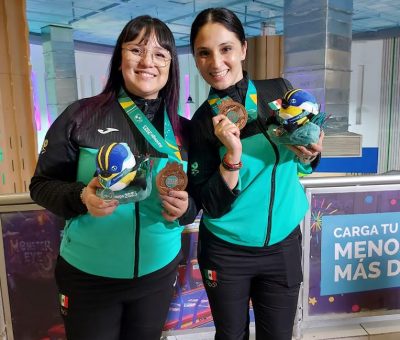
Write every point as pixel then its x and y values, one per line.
pixel 172 177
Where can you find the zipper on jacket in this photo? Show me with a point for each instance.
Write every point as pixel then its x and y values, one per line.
pixel 272 198
pixel 271 201
pixel 137 234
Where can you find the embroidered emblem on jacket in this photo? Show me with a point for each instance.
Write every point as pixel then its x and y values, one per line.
pixel 194 168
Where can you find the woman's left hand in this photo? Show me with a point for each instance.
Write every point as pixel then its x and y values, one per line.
pixel 175 204
pixel 307 154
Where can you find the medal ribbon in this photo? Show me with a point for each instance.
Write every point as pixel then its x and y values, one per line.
pixel 165 145
pixel 250 103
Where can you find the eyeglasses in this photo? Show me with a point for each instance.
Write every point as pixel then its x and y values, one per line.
pixel 160 57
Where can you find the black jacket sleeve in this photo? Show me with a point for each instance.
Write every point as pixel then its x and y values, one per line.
pixel 206 185
pixel 192 211
pixel 190 215
pixel 53 184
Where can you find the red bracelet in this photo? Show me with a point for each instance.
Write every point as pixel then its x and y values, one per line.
pixel 230 166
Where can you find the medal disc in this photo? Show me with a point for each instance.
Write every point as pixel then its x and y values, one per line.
pixel 235 111
pixel 172 177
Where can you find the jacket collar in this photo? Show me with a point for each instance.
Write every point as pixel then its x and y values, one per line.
pixel 237 91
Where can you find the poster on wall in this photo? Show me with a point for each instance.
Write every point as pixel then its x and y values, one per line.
pixel 189 307
pixel 31 241
pixel 354 253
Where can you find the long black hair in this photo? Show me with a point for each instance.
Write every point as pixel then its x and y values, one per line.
pixel 221 16
pixel 164 36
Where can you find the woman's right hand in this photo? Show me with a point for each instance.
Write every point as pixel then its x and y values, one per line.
pixel 229 135
pixel 94 204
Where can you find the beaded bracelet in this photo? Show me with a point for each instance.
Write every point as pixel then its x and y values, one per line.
pixel 229 166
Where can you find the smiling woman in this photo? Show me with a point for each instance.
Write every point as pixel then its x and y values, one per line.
pixel 249 238
pixel 218 54
pixel 119 260
pixel 145 66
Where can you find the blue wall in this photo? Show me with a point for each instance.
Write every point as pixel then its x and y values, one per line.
pixel 367 163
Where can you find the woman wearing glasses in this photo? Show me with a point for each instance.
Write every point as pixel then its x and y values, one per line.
pixel 117 266
pixel 249 242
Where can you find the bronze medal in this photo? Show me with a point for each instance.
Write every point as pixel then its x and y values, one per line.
pixel 235 111
pixel 172 177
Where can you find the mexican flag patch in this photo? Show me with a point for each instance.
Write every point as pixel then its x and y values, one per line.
pixel 210 274
pixel 64 301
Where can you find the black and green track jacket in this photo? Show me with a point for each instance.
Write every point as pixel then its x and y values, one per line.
pixel 135 239
pixel 268 201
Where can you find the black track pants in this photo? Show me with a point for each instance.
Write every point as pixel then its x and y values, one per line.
pixel 269 277
pixel 100 308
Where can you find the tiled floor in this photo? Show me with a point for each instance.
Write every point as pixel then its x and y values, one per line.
pixel 379 330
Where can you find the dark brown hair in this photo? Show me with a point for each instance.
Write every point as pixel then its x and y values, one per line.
pixel 164 36
pixel 221 16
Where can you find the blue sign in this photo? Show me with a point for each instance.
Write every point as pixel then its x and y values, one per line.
pixel 360 252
